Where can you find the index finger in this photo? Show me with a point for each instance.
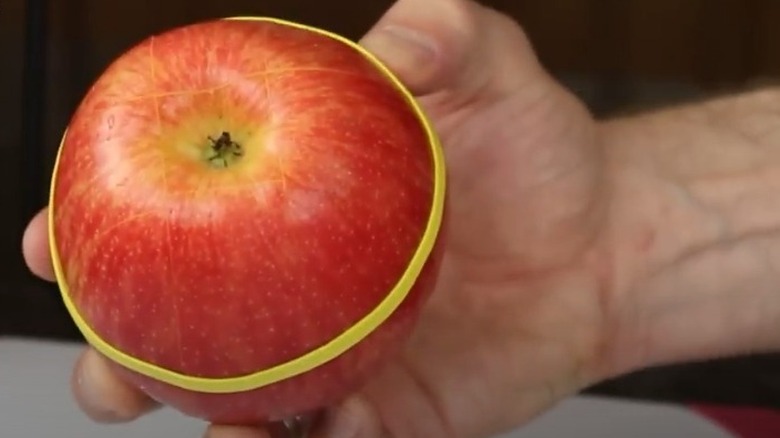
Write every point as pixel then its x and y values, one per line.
pixel 35 246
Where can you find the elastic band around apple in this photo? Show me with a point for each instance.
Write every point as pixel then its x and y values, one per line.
pixel 246 218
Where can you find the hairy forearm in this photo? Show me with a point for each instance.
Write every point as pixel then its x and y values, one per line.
pixel 695 230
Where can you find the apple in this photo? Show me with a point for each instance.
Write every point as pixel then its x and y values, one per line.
pixel 246 217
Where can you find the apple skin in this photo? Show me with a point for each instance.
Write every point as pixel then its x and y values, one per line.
pixel 222 271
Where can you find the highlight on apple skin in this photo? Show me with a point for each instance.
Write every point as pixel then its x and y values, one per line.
pixel 246 217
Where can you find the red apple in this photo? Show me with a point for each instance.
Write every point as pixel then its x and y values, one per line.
pixel 245 217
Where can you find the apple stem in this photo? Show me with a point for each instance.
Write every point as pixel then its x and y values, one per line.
pixel 223 150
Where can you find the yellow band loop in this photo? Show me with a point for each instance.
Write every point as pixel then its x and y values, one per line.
pixel 321 355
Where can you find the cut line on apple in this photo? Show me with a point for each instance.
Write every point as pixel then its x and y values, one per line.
pixel 278 280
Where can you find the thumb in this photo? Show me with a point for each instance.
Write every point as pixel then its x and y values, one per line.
pixel 460 45
pixel 355 418
pixel 510 130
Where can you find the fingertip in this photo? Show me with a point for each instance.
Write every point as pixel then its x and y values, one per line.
pixel 217 431
pixel 354 418
pixel 460 46
pixel 102 395
pixel 35 246
pixel 425 42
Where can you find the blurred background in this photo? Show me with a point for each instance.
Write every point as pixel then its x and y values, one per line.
pixel 616 54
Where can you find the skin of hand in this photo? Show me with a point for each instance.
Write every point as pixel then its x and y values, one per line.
pixel 564 246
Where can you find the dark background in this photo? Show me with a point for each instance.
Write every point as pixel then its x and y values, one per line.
pixel 614 53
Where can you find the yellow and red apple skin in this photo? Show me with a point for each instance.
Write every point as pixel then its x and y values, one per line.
pixel 220 269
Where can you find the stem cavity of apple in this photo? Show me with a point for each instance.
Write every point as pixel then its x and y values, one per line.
pixel 223 150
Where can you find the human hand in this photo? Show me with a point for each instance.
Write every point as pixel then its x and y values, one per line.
pixel 518 319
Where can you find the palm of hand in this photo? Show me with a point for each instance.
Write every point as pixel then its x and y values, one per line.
pixel 516 319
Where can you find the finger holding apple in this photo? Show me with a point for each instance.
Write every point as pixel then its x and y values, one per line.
pixel 97 389
pixel 245 218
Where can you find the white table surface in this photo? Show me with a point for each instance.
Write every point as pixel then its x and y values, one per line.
pixel 35 402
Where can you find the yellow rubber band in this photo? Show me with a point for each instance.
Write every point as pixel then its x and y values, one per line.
pixel 324 353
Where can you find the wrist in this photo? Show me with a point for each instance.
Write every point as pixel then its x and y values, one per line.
pixel 695 230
